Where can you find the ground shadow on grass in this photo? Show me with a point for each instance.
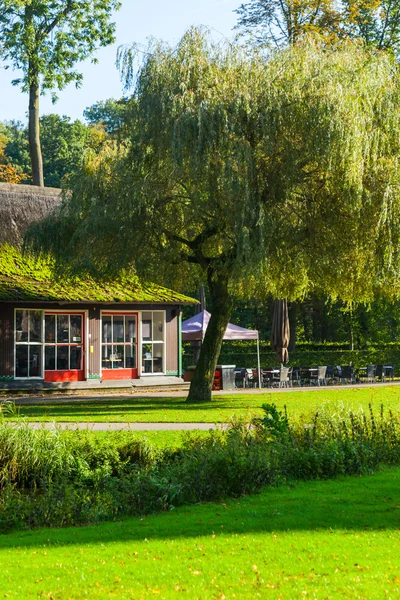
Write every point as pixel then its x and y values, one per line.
pixel 348 503
pixel 107 409
pixel 126 408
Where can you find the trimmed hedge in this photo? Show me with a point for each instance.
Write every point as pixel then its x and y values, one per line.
pixel 244 354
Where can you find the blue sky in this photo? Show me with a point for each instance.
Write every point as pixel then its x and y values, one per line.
pixel 136 21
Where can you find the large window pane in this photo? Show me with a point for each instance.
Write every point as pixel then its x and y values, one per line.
pixel 118 329
pixel 21 326
pixel 50 329
pixel 62 329
pixel 76 328
pixel 106 352
pixel 130 357
pixel 106 330
pixel 75 354
pixel 35 325
pixel 50 358
pixel 147 327
pixel 158 326
pixel 35 360
pixel 21 360
pixel 147 358
pixel 62 358
pixel 117 357
pixel 158 350
pixel 130 329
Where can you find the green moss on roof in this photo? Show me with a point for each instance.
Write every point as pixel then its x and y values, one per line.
pixel 23 277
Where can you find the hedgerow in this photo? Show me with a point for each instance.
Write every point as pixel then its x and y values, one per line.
pixel 56 478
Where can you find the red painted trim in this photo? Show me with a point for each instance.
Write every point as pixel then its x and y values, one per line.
pixel 111 374
pixel 119 314
pixel 56 376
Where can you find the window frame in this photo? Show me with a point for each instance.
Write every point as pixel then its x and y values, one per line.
pixel 119 313
pixel 151 342
pixel 28 343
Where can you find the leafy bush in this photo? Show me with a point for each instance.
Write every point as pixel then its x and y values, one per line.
pixel 57 478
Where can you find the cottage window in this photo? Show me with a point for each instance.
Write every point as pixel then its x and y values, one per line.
pixel 119 341
pixel 28 343
pixel 153 341
pixel 63 342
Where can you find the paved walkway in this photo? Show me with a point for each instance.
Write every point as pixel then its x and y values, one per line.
pixel 127 426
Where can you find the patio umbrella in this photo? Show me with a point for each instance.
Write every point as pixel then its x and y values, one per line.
pixel 280 331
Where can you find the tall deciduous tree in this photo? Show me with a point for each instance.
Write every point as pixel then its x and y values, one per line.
pixel 45 39
pixel 285 22
pixel 376 22
pixel 279 176
pixel 110 114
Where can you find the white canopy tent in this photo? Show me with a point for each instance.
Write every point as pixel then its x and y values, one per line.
pixel 194 329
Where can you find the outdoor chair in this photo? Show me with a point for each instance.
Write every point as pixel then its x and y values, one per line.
pixel 318 378
pixel 281 379
pixel 266 377
pixel 294 376
pixel 249 377
pixel 380 373
pixel 346 374
pixel 240 378
pixel 256 376
pixel 388 371
pixel 369 374
pixel 331 374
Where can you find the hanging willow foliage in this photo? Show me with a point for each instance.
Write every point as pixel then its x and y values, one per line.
pixel 276 174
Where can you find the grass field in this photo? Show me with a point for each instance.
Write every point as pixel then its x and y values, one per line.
pixel 330 539
pixel 220 409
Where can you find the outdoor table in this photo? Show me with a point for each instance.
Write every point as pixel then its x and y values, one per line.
pixel 305 372
pixel 268 374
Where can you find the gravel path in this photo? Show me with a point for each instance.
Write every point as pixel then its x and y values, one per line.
pixel 127 426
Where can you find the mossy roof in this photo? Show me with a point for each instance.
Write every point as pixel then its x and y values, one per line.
pixel 24 278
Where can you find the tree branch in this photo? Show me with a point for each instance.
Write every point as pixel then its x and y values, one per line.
pixel 69 8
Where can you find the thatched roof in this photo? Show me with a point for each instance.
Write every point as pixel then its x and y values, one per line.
pixel 22 205
pixel 26 278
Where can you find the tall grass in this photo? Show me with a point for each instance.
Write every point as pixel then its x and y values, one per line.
pixel 57 477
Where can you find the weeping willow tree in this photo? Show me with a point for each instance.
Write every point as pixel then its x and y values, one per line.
pixel 275 175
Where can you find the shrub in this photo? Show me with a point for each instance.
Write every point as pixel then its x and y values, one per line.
pixel 58 478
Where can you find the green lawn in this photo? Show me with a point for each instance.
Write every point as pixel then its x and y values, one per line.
pixel 331 539
pixel 220 409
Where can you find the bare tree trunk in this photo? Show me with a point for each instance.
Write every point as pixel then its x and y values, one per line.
pixel 34 135
pixel 201 384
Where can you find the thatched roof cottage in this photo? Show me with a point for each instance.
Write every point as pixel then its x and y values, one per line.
pixel 78 332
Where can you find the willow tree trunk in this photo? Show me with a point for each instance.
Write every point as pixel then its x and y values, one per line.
pixel 34 135
pixel 201 385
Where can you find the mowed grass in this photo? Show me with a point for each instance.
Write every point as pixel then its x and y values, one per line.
pixel 221 409
pixel 329 539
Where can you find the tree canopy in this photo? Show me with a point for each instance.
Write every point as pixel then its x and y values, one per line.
pixel 276 175
pixel 64 145
pixel 111 114
pixel 45 40
pixel 285 22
